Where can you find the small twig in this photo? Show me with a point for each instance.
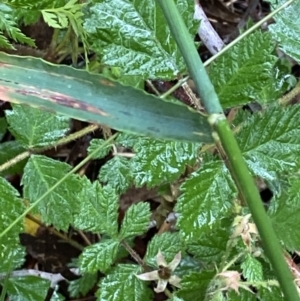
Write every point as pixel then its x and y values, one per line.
pixel 133 254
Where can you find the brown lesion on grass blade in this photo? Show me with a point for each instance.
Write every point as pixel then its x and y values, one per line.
pixel 61 99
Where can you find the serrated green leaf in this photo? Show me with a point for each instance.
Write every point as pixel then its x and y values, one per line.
pixel 12 253
pixel 240 75
pixel 168 243
pixel 207 197
pixel 98 257
pixel 270 141
pixel 36 128
pixel 80 287
pixel 194 285
pixel 9 150
pixel 252 269
pixel 29 288
pixel 284 212
pixel 211 245
pixel 128 140
pixel 272 293
pixel 95 144
pixel 136 220
pixel 286 29
pixel 123 282
pixel 116 173
pixel 98 208
pixel 137 38
pixel 157 162
pixel 40 174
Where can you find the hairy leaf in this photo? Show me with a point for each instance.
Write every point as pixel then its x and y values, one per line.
pixel 98 208
pixel 136 220
pixel 35 128
pixel 95 144
pixel 29 288
pixel 241 74
pixel 206 198
pixel 270 141
pixel 136 37
pixel 252 269
pixel 123 282
pixel 243 295
pixel 271 293
pixel 116 173
pixel 58 208
pixel 286 29
pixel 12 254
pixel 284 212
pixel 98 257
pixel 157 162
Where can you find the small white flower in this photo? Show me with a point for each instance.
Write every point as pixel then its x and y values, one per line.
pixel 164 273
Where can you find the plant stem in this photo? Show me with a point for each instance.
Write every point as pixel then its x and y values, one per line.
pixel 223 133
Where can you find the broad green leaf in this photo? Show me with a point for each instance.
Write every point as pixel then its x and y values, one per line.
pixel 252 269
pixel 210 246
pixel 9 150
pixel 157 162
pixel 286 30
pixel 136 220
pixel 98 257
pixel 270 141
pixel 80 287
pixel 194 285
pixel 123 282
pixel 27 288
pixel 116 173
pixel 3 127
pixel 94 98
pixel 98 208
pixel 58 208
pixel 271 293
pixel 34 127
pixel 168 243
pixel 240 75
pixel 12 253
pixel 207 197
pixel 137 38
pixel 95 144
pixel 284 212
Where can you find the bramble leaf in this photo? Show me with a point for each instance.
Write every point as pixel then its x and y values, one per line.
pixel 116 173
pixel 168 243
pixel 137 38
pixel 12 253
pixel 98 208
pixel 98 257
pixel 241 74
pixel 157 162
pixel 34 127
pixel 284 212
pixel 58 208
pixel 136 220
pixel 252 269
pixel 95 144
pixel 80 287
pixel 207 196
pixel 123 282
pixel 286 30
pixel 29 288
pixel 271 293
pixel 270 141
pixel 194 285
pixel 243 295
